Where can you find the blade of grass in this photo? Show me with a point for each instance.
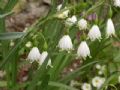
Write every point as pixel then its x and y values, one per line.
pixel 11 35
pixel 10 5
pixel 76 73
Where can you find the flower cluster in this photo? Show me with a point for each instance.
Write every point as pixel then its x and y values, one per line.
pixel 96 82
pixel 34 55
pixel 94 33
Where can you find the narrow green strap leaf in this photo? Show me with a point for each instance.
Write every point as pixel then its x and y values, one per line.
pixel 6 14
pixel 76 72
pixel 11 35
pixel 10 5
pixel 56 84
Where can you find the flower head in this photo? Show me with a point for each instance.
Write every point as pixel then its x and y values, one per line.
pixel 83 50
pixel 63 14
pixel 82 24
pixel 65 43
pixel 86 86
pixel 71 21
pixel 98 81
pixel 43 58
pixel 110 29
pixel 94 33
pixel 117 3
pixel 34 54
pixel 59 7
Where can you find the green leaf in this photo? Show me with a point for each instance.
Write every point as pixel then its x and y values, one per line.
pixel 5 14
pixel 77 72
pixel 11 35
pixel 60 85
pixel 10 5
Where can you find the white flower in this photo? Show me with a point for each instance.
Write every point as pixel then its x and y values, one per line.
pixel 94 33
pixel 83 50
pixel 59 7
pixel 28 44
pixel 117 3
pixel 63 14
pixel 98 66
pixel 65 43
pixel 71 21
pixel 34 54
pixel 98 81
pixel 86 86
pixel 110 29
pixel 43 58
pixel 82 24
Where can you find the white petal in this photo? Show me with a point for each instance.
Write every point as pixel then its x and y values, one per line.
pixel 65 43
pixel 34 54
pixel 83 50
pixel 59 7
pixel 82 24
pixel 110 29
pixel 71 21
pixel 64 14
pixel 94 33
pixel 117 3
pixel 43 58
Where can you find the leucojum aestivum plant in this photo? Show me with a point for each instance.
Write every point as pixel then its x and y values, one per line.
pixel 75 47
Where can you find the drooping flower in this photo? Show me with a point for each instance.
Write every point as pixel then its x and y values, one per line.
pixel 86 86
pixel 43 58
pixel 117 3
pixel 110 29
pixel 59 7
pixel 71 21
pixel 82 24
pixel 65 43
pixel 63 14
pixel 98 81
pixel 34 54
pixel 94 33
pixel 83 50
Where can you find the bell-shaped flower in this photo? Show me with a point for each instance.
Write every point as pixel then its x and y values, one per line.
pixel 59 7
pixel 43 58
pixel 83 50
pixel 34 54
pixel 82 24
pixel 94 33
pixel 71 21
pixel 110 29
pixel 65 43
